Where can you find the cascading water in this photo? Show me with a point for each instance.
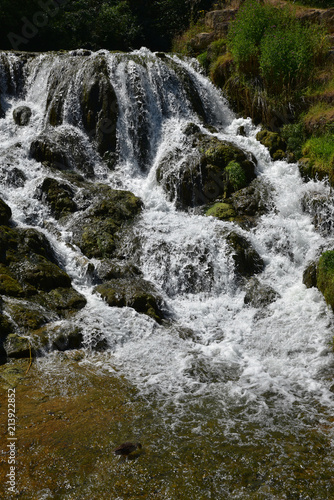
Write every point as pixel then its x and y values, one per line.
pixel 230 374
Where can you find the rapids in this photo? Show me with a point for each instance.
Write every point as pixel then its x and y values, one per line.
pixel 217 371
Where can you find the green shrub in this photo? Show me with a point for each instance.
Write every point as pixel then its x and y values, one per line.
pixel 247 31
pixel 272 42
pixel 204 60
pixel 236 175
pixel 288 54
pixel 294 136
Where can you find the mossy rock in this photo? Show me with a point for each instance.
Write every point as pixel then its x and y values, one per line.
pixel 259 295
pixel 222 211
pixel 213 168
pixel 8 285
pixel 252 201
pixel 5 213
pixel 42 274
pixel 58 196
pixel 110 269
pixel 27 315
pixel 133 292
pixel 325 276
pixel 273 141
pixel 110 209
pixel 63 301
pixel 246 259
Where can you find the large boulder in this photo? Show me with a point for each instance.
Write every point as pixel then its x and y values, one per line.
pixel 247 261
pixel 94 232
pixel 212 168
pixel 22 115
pixel 133 292
pixel 58 196
pixel 259 295
pixel 274 142
pixel 62 151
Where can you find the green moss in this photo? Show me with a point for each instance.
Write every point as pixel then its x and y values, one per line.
pixel 8 285
pixel 325 276
pixel 236 176
pixel 223 211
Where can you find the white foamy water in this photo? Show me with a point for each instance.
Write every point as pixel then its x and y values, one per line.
pixel 213 343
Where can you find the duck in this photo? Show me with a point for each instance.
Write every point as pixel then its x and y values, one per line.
pixel 125 449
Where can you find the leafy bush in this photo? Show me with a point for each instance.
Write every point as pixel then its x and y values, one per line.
pixel 271 41
pixel 247 31
pixel 294 136
pixel 288 54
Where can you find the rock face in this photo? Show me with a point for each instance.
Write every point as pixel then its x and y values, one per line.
pixel 212 168
pixel 99 108
pixel 22 115
pixel 201 41
pixel 259 295
pixel 59 197
pixel 246 259
pixel 133 292
pixel 34 288
pixel 62 151
pixel 94 232
pixel 218 20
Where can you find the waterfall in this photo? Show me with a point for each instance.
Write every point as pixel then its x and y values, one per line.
pixel 264 365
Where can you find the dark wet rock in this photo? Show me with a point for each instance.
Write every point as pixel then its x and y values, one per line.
pixel 65 301
pixel 113 269
pixel 273 141
pixel 58 196
pixel 22 115
pixel 30 274
pixel 310 275
pixel 191 129
pixel 5 213
pixel 246 259
pixel 212 168
pixel 15 177
pixel 99 106
pixel 253 200
pixel 110 209
pixel 62 151
pixel 133 292
pixel 259 295
pixel 68 341
pixel 27 315
pixel 17 346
